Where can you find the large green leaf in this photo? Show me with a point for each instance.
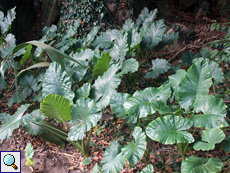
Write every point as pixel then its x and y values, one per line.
pixel 144 14
pixel 134 151
pixel 148 169
pixel 145 102
pixel 170 129
pixel 22 95
pixel 202 165
pixel 105 86
pixel 75 70
pixel 95 169
pixel 159 66
pixel 128 25
pixel 154 34
pixel 27 80
pixel 29 152
pixel 226 145
pixel 8 45
pixel 214 112
pixel 102 65
pixel 4 117
pixel 112 159
pixel 90 37
pixel 167 39
pixel 130 65
pixel 27 54
pixel 116 103
pixel 85 116
pixel 28 120
pixel 149 19
pixel 57 81
pixel 12 123
pixel 106 40
pixel 210 138
pixel 84 91
pixel 174 81
pixel 195 84
pixel 56 107
pixel 135 38
pixel 120 48
pixel 216 71
pixel 5 22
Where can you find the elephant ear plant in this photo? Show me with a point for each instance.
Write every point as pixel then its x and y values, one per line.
pixel 76 88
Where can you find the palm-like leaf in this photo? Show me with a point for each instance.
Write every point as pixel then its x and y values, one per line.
pixel 102 65
pixel 85 116
pixel 170 129
pixel 56 107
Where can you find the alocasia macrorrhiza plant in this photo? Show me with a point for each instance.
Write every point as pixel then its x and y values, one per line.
pixel 77 87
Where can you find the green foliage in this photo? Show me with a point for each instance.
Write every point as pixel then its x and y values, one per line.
pixel 29 152
pixel 83 79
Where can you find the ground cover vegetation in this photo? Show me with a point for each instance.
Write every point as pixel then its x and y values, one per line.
pixel 94 73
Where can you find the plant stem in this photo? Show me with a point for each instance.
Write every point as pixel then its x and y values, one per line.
pixel 226 163
pixel 213 87
pixel 88 140
pixel 66 126
pixel 16 82
pixel 147 152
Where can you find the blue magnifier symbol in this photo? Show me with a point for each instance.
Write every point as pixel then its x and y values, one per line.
pixel 9 161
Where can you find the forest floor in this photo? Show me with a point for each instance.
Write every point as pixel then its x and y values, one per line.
pixel 49 158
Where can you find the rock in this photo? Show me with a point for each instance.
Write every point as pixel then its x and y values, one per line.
pixel 122 16
pixel 50 12
pixel 183 37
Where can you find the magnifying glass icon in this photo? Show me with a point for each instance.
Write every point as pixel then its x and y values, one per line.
pixel 9 160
